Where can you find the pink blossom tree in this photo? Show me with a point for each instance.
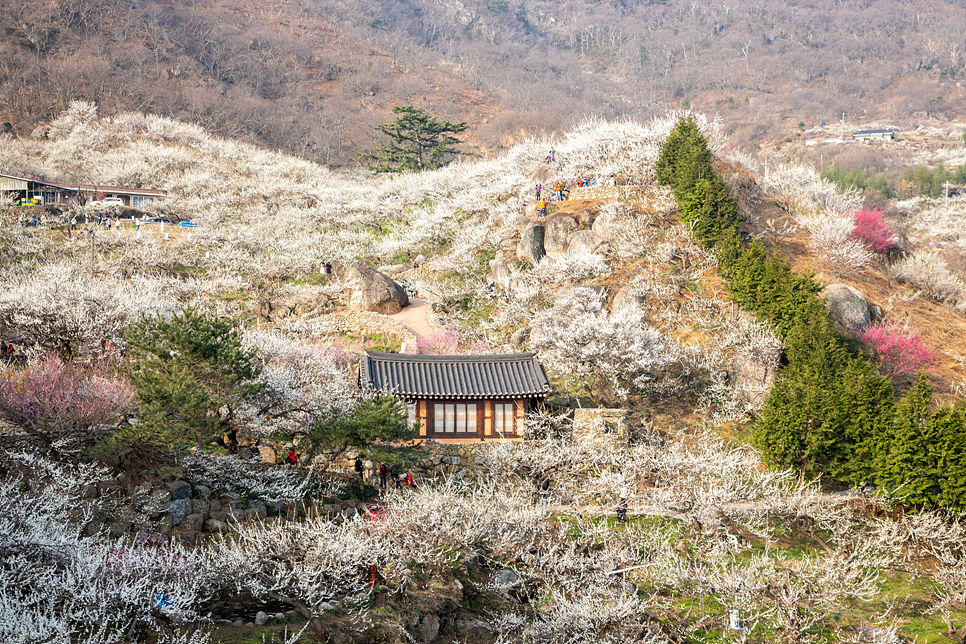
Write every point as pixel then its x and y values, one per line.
pixel 447 341
pixel 57 401
pixel 873 230
pixel 900 349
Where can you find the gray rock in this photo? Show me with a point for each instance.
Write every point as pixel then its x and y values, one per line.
pixel 165 525
pixel 261 618
pixel 501 273
pixel 213 525
pixel 558 229
pixel 161 496
pixel 419 261
pixel 179 490
pixel 849 307
pixel 607 229
pixel 328 606
pixel 272 507
pixel 89 491
pixel 178 510
pixel 244 453
pixel 587 241
pixel 627 296
pixel 521 223
pixel 204 491
pixel 193 522
pixel 132 421
pixel 506 579
pixel 519 337
pixel 373 291
pixel 258 508
pixel 280 617
pixel 451 460
pixel 473 629
pixel 429 628
pixel 530 249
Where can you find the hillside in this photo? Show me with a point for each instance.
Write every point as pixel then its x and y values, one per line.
pixel 314 77
pixel 504 542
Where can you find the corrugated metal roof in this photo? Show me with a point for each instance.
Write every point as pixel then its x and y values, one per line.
pixel 487 376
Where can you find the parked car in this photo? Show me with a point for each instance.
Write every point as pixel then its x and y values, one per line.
pixel 107 202
pixel 188 224
pixel 156 220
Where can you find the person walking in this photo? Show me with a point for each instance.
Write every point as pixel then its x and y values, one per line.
pixel 383 475
pixel 358 468
pixel 622 505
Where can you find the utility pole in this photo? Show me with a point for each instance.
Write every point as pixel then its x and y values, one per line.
pixel 843 126
pixel 92 249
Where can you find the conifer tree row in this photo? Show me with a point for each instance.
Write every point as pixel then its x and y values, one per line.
pixel 830 413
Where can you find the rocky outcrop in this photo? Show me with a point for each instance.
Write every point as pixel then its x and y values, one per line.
pixel 587 241
pixel 500 271
pixel 558 230
pixel 849 306
pixel 531 249
pixel 373 291
pixel 355 323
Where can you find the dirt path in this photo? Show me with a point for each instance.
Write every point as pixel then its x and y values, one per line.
pixel 415 317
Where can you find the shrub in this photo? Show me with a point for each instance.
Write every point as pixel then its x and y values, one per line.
pixel 872 230
pixel 900 349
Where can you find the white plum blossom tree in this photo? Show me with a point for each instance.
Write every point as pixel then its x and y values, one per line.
pixel 578 338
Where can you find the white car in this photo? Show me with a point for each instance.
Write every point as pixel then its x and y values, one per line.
pixel 107 202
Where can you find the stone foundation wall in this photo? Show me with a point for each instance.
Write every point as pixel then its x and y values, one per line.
pixel 358 323
pixel 623 193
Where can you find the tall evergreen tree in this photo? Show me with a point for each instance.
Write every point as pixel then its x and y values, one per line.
pixel 420 141
pixel 911 460
pixel 191 374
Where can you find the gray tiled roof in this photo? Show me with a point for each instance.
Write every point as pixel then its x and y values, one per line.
pixel 415 376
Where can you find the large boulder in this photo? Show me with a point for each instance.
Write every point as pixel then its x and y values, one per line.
pixel 607 229
pixel 530 249
pixel 587 241
pixel 373 291
pixel 501 273
pixel 849 307
pixel 558 230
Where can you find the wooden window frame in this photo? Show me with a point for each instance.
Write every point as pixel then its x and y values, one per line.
pixel 519 408
pixel 431 419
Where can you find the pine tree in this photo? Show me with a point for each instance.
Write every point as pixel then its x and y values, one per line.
pixel 373 424
pixel 420 141
pixel 684 146
pixel 191 374
pixel 910 462
pixel 949 427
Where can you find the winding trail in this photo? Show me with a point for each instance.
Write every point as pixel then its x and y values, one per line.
pixel 415 317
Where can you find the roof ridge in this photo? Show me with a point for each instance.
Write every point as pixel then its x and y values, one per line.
pixel 481 357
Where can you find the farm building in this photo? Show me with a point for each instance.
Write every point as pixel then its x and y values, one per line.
pixel 35 190
pixel 873 135
pixel 461 398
